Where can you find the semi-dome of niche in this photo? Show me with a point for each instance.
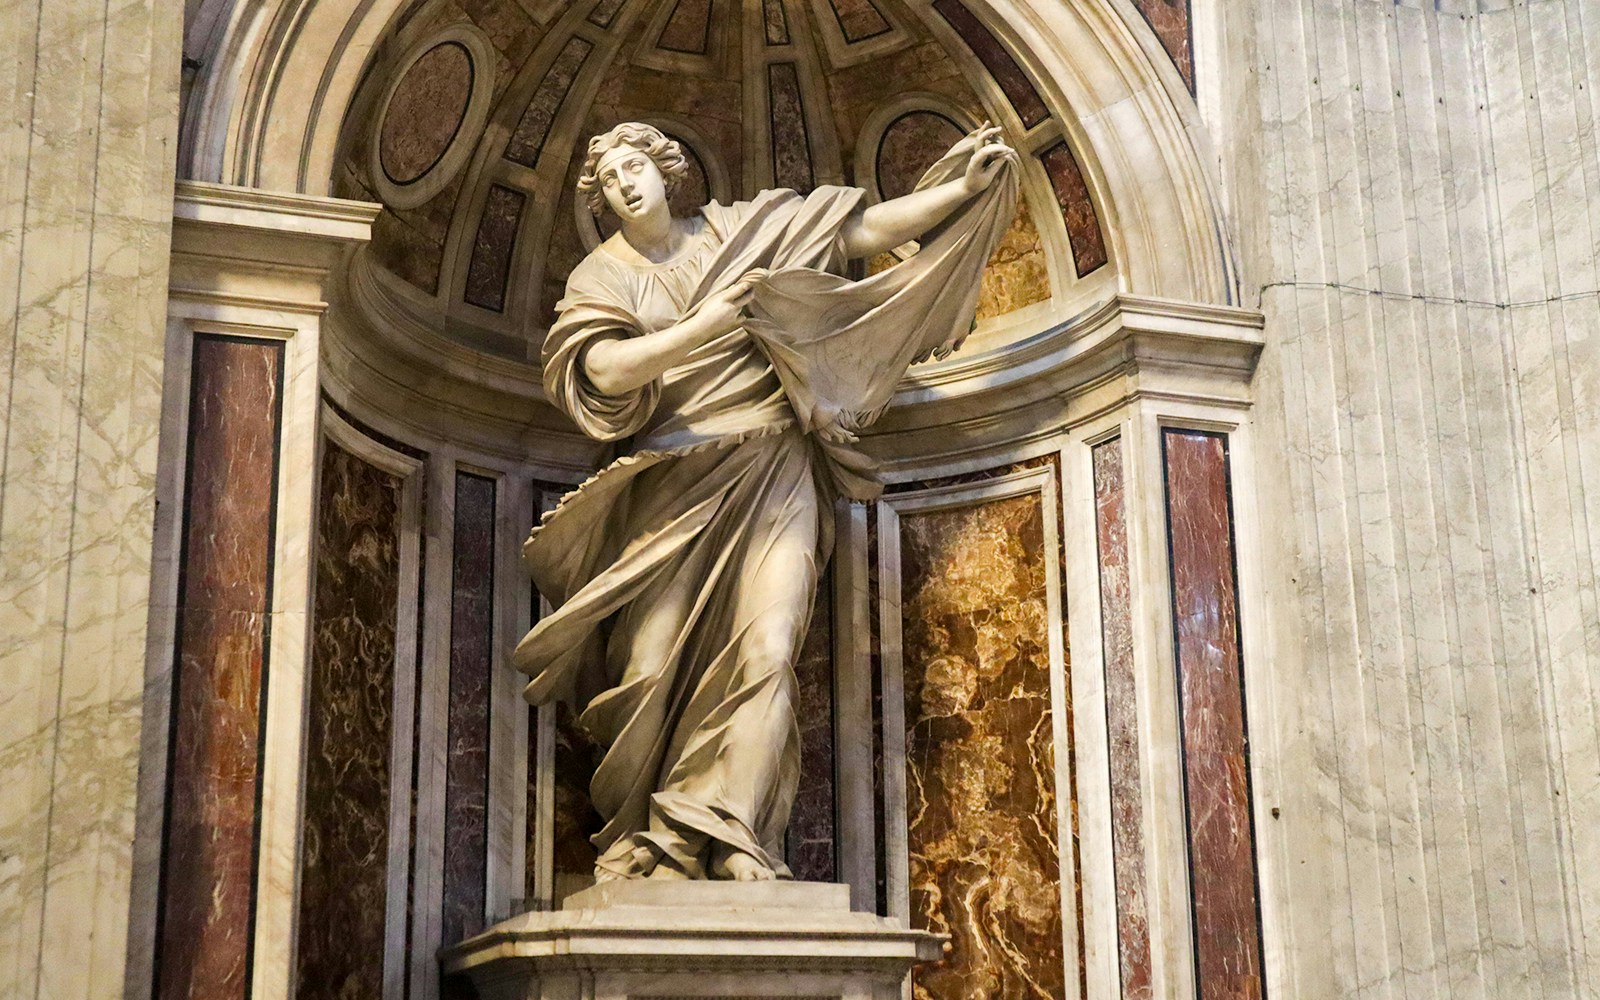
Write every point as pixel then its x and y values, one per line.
pixel 471 123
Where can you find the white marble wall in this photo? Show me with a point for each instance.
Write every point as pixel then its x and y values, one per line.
pixel 89 89
pixel 1417 192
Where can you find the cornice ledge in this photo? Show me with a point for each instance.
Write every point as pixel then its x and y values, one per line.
pixel 226 226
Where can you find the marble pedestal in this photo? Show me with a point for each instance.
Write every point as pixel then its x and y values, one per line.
pixel 695 941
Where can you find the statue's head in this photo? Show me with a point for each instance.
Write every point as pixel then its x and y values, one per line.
pixel 622 159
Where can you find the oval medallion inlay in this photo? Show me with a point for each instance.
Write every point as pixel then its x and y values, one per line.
pixel 910 145
pixel 425 113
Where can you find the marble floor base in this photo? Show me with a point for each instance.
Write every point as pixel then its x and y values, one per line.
pixel 695 941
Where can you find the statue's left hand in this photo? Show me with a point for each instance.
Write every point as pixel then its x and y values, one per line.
pixel 989 154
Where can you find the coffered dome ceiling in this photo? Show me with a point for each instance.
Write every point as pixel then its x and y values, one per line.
pixel 470 125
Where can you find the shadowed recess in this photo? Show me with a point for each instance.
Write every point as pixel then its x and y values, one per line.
pixel 809 844
pixel 527 140
pixel 425 113
pixel 1216 759
pixel 489 269
pixel 1077 208
pixel 467 748
pixel 1122 720
pixel 345 827
pixel 208 871
pixel 1012 79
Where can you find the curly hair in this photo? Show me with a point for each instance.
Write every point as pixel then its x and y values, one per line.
pixel 648 139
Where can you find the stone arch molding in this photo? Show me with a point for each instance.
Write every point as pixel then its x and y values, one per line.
pixel 276 78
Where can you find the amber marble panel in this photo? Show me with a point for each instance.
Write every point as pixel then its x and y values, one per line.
pixel 1012 79
pixel 980 752
pixel 207 894
pixel 489 268
pixel 345 824
pixel 1216 759
pixel 688 28
pixel 425 112
pixel 858 20
pixel 1122 719
pixel 527 139
pixel 791 144
pixel 1169 19
pixel 776 21
pixel 810 844
pixel 467 740
pixel 1077 208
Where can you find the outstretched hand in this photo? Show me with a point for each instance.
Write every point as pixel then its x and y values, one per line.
pixel 989 154
pixel 724 310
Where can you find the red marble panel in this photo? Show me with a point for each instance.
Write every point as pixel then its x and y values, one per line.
pixel 810 843
pixel 858 20
pixel 604 12
pixel 425 112
pixel 1077 208
pixel 527 139
pixel 688 28
pixel 1122 719
pixel 489 268
pixel 1169 19
pixel 345 824
pixel 776 21
pixel 980 750
pixel 910 145
pixel 207 894
pixel 791 143
pixel 1012 79
pixel 467 739
pixel 1216 760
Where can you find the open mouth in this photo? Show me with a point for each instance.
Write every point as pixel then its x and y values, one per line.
pixel 634 202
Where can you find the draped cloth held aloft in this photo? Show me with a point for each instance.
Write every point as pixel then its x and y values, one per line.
pixel 682 574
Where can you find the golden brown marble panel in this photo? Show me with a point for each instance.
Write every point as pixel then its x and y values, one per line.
pixel 980 752
pixel 425 112
pixel 349 733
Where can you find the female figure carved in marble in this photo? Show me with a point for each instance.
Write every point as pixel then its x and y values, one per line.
pixel 738 363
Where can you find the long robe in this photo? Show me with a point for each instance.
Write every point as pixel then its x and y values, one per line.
pixel 683 573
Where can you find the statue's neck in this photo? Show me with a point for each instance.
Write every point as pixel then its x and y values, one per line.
pixel 657 238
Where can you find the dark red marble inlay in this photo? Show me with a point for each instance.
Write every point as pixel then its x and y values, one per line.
pixel 776 21
pixel 467 741
pixel 527 139
pixel 858 20
pixel 791 144
pixel 1013 80
pixel 810 843
pixel 980 750
pixel 910 145
pixel 1122 719
pixel 688 28
pixel 1169 19
pixel 220 670
pixel 604 12
pixel 1227 932
pixel 425 112
pixel 1077 208
pixel 489 269
pixel 345 826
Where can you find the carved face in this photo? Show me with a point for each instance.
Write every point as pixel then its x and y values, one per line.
pixel 632 184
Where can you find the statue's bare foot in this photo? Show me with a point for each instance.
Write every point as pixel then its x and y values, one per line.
pixel 738 866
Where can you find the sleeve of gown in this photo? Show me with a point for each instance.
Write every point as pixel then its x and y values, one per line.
pixel 593 309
